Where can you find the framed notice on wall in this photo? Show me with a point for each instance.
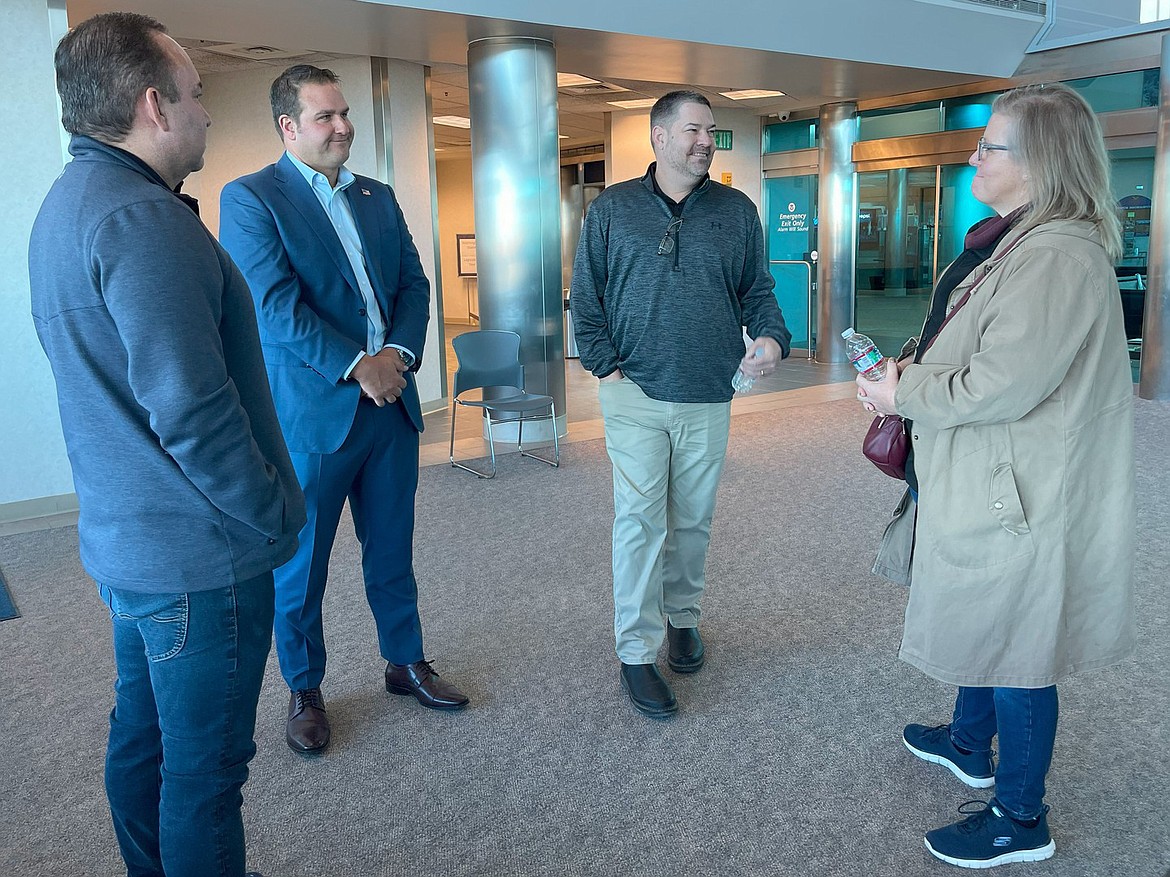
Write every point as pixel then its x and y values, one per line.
pixel 465 244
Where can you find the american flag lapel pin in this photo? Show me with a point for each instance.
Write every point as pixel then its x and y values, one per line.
pixel 365 191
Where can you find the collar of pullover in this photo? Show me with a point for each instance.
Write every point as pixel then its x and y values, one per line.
pixel 89 149
pixel 675 207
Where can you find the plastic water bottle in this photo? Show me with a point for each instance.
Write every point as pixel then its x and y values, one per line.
pixel 864 355
pixel 740 382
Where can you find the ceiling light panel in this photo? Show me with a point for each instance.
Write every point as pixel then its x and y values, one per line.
pixel 633 104
pixel 572 80
pixel 751 94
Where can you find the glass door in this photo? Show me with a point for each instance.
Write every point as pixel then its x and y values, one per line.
pixel 897 224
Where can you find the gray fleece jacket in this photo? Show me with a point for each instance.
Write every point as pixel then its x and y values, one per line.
pixel 182 475
pixel 672 323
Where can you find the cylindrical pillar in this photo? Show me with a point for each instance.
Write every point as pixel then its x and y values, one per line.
pixel 899 203
pixel 515 166
pixel 837 230
pixel 1154 380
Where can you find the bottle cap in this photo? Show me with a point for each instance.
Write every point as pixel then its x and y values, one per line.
pixel 847 332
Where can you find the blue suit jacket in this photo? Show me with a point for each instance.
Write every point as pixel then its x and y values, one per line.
pixel 311 312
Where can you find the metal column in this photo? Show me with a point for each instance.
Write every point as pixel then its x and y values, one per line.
pixel 837 233
pixel 1154 381
pixel 896 226
pixel 515 164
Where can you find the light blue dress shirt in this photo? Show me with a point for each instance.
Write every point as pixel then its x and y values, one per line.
pixel 336 207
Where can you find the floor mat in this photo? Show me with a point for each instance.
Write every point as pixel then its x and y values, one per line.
pixel 7 607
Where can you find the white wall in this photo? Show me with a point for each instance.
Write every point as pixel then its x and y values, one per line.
pixel 456 216
pixel 628 152
pixel 33 465
pixel 413 186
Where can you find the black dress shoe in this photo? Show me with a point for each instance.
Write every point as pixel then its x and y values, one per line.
pixel 308 726
pixel 648 691
pixel 685 652
pixel 421 680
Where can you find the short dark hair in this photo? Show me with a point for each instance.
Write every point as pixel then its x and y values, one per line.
pixel 285 94
pixel 103 66
pixel 666 107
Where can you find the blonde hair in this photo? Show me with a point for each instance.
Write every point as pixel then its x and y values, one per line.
pixel 1061 148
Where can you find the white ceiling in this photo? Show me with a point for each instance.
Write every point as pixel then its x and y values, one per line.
pixel 816 51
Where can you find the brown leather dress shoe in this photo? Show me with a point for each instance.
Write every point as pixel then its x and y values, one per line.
pixel 421 680
pixel 308 726
pixel 685 652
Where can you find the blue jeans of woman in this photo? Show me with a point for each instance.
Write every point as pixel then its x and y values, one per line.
pixel 181 731
pixel 1025 719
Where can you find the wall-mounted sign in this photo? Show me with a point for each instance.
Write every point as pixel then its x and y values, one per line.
pixel 466 249
pixel 793 219
pixel 722 138
pixel 726 178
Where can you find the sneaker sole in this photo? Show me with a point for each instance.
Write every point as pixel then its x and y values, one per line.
pixel 1037 855
pixel 973 782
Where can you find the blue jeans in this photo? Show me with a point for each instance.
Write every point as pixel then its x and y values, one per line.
pixel 189 673
pixel 1025 719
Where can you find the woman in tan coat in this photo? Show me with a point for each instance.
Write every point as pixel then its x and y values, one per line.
pixel 1020 412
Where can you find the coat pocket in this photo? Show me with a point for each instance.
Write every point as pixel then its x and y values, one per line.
pixel 1003 501
pixel 972 516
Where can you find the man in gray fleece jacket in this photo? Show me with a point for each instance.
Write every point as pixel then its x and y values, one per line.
pixel 669 271
pixel 188 499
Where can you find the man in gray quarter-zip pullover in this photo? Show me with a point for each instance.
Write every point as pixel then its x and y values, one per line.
pixel 669 271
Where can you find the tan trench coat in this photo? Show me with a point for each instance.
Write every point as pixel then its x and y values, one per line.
pixel 1023 440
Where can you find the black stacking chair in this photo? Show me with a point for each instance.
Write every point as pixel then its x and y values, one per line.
pixel 490 358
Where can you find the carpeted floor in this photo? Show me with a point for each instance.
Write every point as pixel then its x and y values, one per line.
pixel 784 759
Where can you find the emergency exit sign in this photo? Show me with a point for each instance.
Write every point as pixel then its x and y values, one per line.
pixel 722 139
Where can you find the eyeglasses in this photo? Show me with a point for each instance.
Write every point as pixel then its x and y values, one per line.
pixel 667 246
pixel 984 147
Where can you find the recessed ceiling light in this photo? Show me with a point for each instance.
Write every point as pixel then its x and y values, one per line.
pixel 452 121
pixel 750 93
pixel 571 80
pixel 633 104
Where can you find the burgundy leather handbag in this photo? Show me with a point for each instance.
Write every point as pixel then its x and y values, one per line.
pixel 886 445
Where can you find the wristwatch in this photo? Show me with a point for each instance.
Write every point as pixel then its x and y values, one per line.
pixel 407 357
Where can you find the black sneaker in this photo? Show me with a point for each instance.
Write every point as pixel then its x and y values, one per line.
pixel 989 837
pixel 935 745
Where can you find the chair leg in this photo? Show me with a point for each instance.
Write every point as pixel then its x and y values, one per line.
pixel 477 473
pixel 555 462
pixel 454 408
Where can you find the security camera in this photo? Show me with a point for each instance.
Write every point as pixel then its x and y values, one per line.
pixel 783 117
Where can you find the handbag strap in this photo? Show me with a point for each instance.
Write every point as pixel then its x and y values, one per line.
pixel 971 291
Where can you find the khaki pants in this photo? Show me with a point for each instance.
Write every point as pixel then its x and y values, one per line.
pixel 667 458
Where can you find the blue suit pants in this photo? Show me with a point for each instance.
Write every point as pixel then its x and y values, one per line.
pixel 376 468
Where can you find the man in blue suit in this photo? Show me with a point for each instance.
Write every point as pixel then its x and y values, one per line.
pixel 343 306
